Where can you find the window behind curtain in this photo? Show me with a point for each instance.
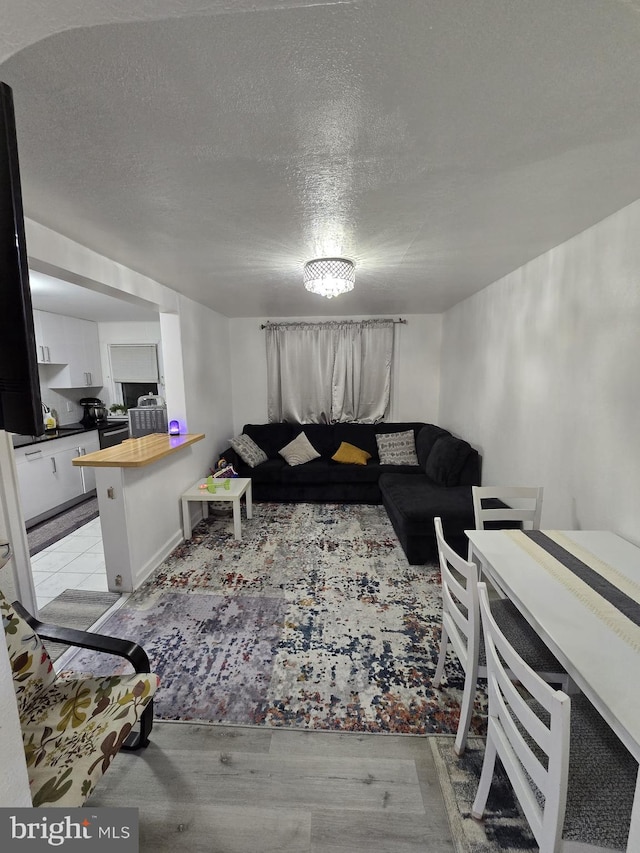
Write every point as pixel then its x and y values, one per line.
pixel 329 372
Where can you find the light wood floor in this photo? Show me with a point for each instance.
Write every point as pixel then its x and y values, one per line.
pixel 247 790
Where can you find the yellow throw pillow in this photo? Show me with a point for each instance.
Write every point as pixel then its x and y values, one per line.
pixel 351 455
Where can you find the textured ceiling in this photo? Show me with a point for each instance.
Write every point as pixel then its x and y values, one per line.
pixel 439 145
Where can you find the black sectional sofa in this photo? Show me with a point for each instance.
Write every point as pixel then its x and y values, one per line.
pixel 413 495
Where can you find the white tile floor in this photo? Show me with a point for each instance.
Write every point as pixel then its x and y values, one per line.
pixel 75 562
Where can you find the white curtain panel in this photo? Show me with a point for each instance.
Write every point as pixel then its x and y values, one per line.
pixel 329 372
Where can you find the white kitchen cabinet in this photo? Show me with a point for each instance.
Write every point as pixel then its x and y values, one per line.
pixel 46 477
pixel 35 478
pixel 51 338
pixel 83 368
pixel 91 354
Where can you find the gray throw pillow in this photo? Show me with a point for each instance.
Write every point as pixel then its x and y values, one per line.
pixel 397 448
pixel 248 450
pixel 299 451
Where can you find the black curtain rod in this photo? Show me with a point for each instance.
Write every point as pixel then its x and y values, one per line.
pixel 285 323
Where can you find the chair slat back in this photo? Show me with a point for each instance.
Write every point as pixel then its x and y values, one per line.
pixel 531 738
pixel 527 511
pixel 459 599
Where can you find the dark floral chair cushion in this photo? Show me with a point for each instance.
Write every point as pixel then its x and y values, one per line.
pixel 72 727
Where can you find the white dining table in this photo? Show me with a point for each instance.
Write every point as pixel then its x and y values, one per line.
pixel 587 612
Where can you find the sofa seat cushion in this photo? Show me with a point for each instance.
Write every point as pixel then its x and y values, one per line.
pixel 340 473
pixel 316 471
pixel 369 473
pixel 416 501
pixel 413 470
pixel 266 472
pixel 74 728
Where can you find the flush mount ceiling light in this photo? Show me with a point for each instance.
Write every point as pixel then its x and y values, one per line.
pixel 329 276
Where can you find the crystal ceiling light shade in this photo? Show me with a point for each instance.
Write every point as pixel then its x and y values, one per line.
pixel 329 276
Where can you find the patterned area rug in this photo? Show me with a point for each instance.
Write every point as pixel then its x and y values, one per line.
pixel 314 620
pixel 61 525
pixel 504 827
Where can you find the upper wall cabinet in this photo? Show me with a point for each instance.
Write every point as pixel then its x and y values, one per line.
pixel 51 339
pixel 81 367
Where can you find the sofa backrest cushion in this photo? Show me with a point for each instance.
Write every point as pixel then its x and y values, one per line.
pixel 321 436
pixel 326 438
pixel 470 474
pixel 416 426
pixel 271 437
pixel 446 460
pixel 425 440
pixel 360 435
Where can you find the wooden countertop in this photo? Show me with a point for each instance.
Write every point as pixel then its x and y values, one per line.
pixel 137 452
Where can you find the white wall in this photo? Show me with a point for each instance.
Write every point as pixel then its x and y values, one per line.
pixel 207 359
pixel 540 373
pixel 416 379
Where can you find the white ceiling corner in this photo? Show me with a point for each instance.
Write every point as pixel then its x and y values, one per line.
pixel 215 147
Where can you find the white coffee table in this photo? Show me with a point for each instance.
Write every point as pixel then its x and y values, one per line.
pixel 238 486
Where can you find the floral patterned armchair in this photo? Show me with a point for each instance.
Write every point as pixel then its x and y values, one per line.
pixel 72 727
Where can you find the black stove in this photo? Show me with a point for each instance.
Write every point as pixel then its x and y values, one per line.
pixel 109 427
pixel 112 432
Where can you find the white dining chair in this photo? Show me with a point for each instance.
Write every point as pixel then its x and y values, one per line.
pixel 569 771
pixel 461 630
pixel 489 514
pixel 497 507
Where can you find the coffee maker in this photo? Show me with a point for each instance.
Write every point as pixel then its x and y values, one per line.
pixel 95 412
